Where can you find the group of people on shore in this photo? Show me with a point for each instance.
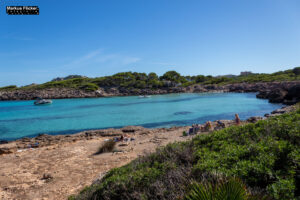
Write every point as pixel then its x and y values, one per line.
pixel 123 138
pixel 209 127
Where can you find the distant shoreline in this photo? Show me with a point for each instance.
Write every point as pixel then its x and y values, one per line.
pixel 286 92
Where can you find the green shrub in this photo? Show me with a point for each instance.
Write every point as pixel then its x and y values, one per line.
pixel 10 87
pixel 89 87
pixel 296 70
pixel 264 155
pixel 107 146
pixel 232 189
pixel 283 189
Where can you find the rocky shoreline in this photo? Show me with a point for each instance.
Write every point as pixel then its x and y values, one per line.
pixel 287 92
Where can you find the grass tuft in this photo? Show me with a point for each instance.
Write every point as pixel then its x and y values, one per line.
pixel 107 146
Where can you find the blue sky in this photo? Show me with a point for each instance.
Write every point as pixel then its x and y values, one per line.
pixel 103 37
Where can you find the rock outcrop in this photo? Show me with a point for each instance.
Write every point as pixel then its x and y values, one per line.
pixel 277 92
pixel 293 95
pixel 280 92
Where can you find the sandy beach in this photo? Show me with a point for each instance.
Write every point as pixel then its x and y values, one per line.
pixel 70 166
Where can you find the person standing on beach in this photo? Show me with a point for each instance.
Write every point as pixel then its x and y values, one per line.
pixel 208 126
pixel 237 119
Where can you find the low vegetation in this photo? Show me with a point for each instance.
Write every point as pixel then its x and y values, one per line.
pixel 264 157
pixel 232 189
pixel 107 146
pixel 10 87
pixel 134 80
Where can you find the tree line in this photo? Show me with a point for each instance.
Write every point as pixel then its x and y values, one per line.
pixel 153 81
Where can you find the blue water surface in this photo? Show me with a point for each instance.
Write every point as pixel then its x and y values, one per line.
pixel 21 118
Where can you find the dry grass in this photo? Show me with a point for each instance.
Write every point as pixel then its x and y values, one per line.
pixel 107 146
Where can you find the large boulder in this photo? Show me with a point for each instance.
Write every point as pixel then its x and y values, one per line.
pixel 263 94
pixel 293 95
pixel 277 95
pixel 254 119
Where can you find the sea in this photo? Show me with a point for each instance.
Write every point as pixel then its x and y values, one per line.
pixel 66 116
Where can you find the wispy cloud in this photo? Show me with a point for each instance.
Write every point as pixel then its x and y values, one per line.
pixel 130 60
pixel 100 57
pixel 87 57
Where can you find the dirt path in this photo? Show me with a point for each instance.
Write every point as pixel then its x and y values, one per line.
pixel 72 165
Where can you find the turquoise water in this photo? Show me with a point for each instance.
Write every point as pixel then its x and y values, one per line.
pixel 21 118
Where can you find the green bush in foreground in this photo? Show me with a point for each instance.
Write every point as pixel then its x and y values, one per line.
pixel 265 156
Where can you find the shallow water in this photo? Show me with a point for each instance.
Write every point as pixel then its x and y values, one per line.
pixel 21 118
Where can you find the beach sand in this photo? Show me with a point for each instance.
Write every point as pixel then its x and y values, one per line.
pixel 71 165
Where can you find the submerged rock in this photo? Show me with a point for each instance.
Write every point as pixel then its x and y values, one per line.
pixel 182 113
pixel 132 129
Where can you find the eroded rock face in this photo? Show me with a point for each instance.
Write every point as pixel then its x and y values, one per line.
pixel 283 92
pixel 275 96
pixel 198 88
pixel 53 93
pixel 293 95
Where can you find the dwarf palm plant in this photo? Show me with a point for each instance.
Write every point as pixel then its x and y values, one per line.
pixel 233 189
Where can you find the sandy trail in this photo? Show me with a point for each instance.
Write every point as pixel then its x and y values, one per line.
pixel 72 165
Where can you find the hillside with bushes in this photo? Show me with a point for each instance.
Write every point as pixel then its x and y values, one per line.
pixel 253 161
pixel 153 81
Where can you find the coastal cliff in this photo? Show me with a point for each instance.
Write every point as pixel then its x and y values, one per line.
pixel 287 92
